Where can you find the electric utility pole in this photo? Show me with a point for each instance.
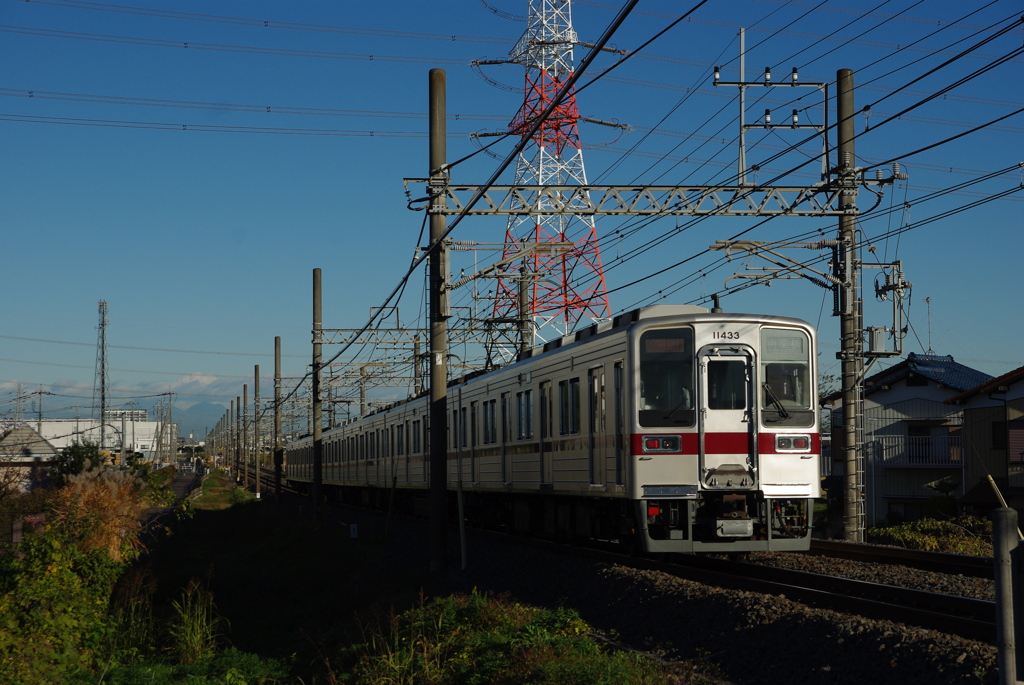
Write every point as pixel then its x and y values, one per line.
pixel 317 409
pixel 438 275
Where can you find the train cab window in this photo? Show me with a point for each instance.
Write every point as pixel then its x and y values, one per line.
pixel 666 378
pixel 786 388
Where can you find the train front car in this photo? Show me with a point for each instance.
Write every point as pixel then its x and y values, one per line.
pixel 725 442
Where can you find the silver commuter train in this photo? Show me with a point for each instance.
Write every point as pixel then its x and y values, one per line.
pixel 668 429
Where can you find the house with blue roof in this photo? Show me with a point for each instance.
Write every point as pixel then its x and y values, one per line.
pixel 913 440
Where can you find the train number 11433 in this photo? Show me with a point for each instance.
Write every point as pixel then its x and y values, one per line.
pixel 725 335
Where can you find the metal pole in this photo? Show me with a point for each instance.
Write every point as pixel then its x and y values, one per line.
pixel 317 413
pixel 852 362
pixel 256 428
pixel 238 439
pixel 244 433
pixel 438 268
pixel 278 451
pixel 1005 549
pixel 525 322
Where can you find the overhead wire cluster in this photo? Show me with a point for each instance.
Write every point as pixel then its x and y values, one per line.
pixel 688 151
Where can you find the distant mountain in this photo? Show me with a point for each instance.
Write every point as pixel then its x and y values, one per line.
pixel 197 419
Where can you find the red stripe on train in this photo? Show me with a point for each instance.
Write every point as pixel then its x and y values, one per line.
pixel 723 443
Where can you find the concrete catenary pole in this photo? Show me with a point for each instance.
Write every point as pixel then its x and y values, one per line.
pixel 438 274
pixel 278 449
pixel 317 413
pixel 256 428
pixel 851 354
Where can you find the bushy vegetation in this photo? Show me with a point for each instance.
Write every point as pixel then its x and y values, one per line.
pixel 475 640
pixel 963 535
pixel 80 604
pixel 74 609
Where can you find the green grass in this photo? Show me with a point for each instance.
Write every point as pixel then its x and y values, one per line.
pixel 478 640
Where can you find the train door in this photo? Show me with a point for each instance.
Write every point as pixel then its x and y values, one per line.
pixel 544 446
pixel 727 423
pixel 620 421
pixel 595 424
pixel 473 411
pixel 505 399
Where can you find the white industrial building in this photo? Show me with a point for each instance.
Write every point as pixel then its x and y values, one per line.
pixel 130 429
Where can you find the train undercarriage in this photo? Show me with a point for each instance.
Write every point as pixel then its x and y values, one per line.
pixel 716 523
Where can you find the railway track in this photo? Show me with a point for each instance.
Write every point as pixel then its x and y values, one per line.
pixel 939 562
pixel 969 618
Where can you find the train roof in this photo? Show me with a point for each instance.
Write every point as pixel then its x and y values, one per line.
pixel 656 311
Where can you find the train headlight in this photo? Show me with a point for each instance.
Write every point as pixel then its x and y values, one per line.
pixel 662 443
pixel 792 443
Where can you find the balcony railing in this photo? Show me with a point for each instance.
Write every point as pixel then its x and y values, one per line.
pixel 900 450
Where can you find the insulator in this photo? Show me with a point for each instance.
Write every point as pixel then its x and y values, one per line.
pixel 718 73
pixel 767 117
pixel 796 117
pixel 795 76
pixel 767 74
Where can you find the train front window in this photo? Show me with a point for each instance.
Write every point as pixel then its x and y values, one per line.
pixel 786 386
pixel 666 378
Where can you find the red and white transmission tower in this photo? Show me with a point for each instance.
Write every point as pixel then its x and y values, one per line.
pixel 566 285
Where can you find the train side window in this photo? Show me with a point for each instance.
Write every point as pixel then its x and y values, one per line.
pixel 569 406
pixel 490 424
pixel 415 437
pixel 524 414
pixel 462 427
pixel 473 411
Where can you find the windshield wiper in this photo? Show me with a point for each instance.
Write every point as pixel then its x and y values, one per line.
pixel 783 414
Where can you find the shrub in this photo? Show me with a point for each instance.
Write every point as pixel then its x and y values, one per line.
pixel 53 601
pixel 965 535
pixel 55 591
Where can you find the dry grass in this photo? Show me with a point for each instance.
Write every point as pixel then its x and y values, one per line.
pixel 106 506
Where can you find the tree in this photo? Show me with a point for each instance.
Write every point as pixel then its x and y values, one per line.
pixel 74 459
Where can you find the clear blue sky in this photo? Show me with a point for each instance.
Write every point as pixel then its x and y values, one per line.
pixel 192 162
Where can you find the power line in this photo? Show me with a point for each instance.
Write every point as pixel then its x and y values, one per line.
pixel 231 106
pixel 148 349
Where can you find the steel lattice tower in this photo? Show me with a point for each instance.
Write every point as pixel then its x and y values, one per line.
pixel 99 390
pixel 566 285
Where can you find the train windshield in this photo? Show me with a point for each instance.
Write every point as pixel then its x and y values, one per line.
pixel 666 378
pixel 786 386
